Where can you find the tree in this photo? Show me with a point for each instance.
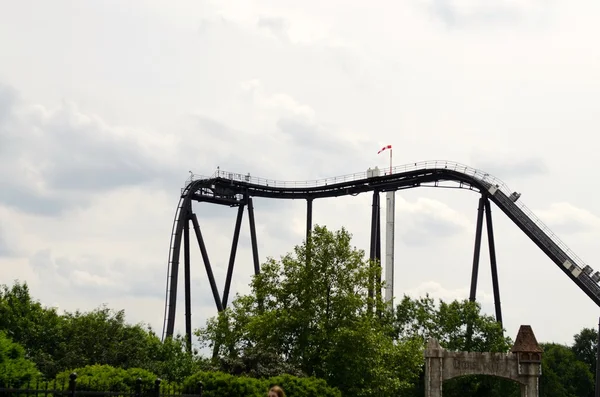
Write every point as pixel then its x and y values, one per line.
pixel 170 359
pixel 36 328
pixel 15 369
pixel 447 322
pixel 585 347
pixel 309 313
pixel 422 319
pixel 101 336
pixel 563 375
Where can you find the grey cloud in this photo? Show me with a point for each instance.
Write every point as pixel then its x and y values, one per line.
pixel 570 224
pixel 24 197
pixel 276 25
pixel 215 129
pixel 88 157
pixel 74 155
pixel 5 248
pixel 311 151
pixel 8 98
pixel 106 280
pixel 212 211
pixel 219 146
pixel 307 134
pixel 426 227
pixel 571 227
pixel 488 13
pixel 312 141
pixel 511 169
pixel 150 283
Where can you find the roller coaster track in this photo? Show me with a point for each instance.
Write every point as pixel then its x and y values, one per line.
pixel 228 188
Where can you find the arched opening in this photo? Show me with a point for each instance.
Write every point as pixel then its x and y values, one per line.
pixel 481 386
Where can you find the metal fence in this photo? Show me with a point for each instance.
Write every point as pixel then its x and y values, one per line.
pixel 73 388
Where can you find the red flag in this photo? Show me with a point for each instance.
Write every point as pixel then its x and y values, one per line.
pixel 385 147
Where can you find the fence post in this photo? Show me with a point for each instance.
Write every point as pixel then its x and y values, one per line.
pixel 200 389
pixel 138 387
pixel 72 384
pixel 157 387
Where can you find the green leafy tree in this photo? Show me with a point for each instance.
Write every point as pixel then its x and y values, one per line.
pixel 585 347
pixel 422 319
pixel 38 329
pixel 564 375
pixel 170 359
pixel 15 369
pixel 309 313
pixel 447 322
pixel 102 336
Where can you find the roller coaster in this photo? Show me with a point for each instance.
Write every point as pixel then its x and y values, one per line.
pixel 237 190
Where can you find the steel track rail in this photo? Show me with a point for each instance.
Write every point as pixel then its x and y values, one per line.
pixel 228 188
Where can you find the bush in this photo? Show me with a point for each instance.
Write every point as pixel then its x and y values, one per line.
pixel 304 387
pixel 219 384
pixel 106 378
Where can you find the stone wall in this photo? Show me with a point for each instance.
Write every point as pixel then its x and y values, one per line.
pixel 522 365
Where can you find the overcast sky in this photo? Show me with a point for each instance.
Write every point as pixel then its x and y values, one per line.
pixel 105 106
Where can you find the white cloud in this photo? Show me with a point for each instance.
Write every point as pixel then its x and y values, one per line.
pixel 434 288
pixel 569 219
pixel 95 145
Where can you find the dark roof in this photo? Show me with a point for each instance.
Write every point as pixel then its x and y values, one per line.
pixel 526 341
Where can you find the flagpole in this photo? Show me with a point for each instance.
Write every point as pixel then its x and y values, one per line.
pixel 390 161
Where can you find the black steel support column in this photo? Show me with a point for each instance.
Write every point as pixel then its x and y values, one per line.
pixel 493 263
pixel 309 207
pixel 378 254
pixel 253 236
pixel 174 269
pixel 234 244
pixel 209 272
pixel 597 394
pixel 188 281
pixel 373 250
pixel 477 249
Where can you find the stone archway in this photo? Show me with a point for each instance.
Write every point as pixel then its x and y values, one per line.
pixel 523 364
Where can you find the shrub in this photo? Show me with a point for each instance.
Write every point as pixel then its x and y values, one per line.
pixel 106 378
pixel 304 387
pixel 219 384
